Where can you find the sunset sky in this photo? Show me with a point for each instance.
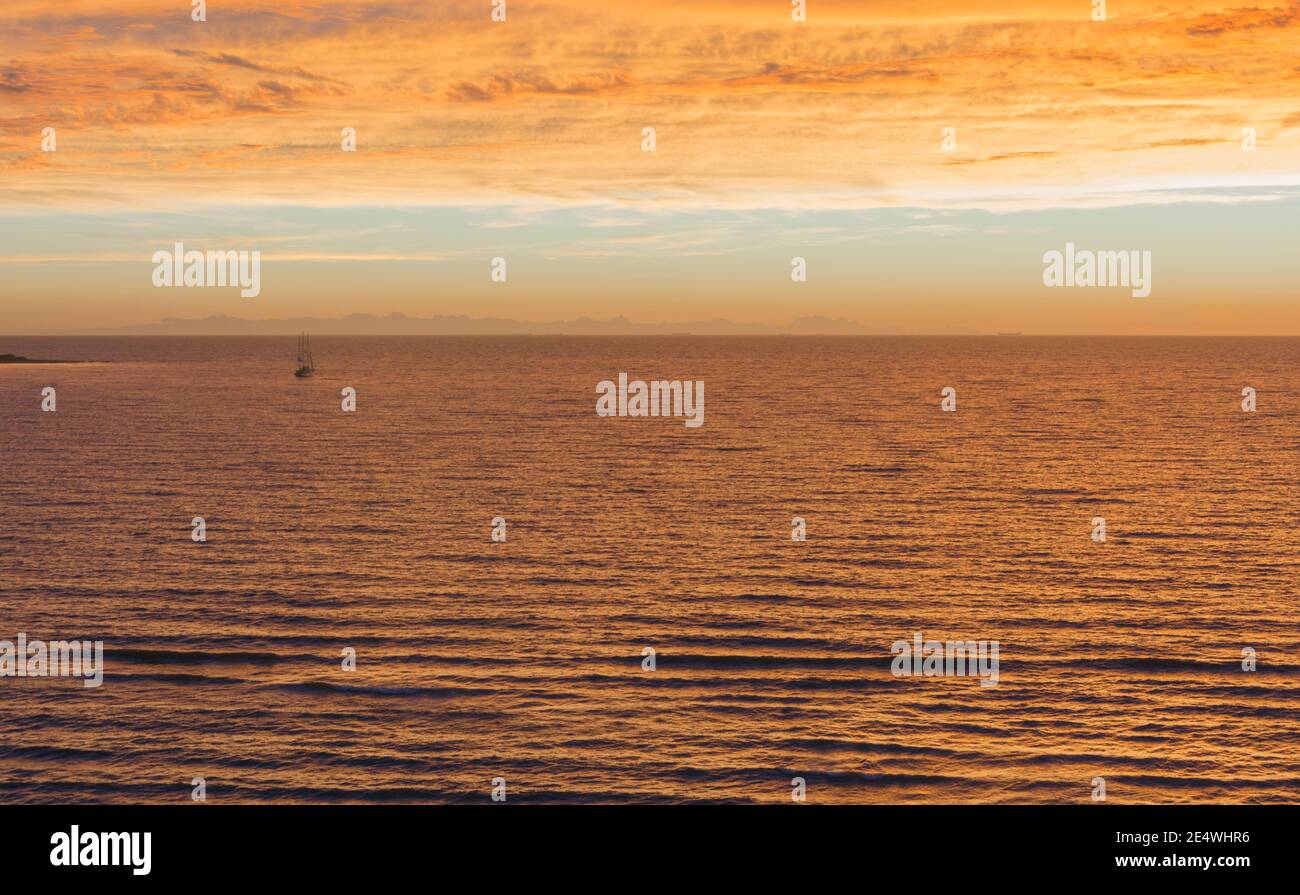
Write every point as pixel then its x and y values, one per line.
pixel 774 139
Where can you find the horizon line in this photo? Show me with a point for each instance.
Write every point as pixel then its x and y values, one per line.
pixel 529 335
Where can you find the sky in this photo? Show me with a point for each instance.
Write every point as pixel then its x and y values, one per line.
pixel 524 139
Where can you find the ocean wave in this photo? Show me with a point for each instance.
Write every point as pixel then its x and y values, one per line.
pixel 177 678
pixel 327 688
pixel 1173 664
pixel 738 660
pixel 185 657
pixel 55 753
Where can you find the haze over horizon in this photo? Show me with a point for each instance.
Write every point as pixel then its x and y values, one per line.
pixel 402 324
pixel 396 324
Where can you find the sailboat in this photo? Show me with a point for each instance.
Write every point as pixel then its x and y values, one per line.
pixel 306 366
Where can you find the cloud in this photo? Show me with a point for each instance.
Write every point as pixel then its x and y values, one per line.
pixel 748 106
pixel 509 83
pixel 240 62
pixel 1244 19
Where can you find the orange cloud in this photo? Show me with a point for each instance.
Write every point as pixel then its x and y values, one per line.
pixel 748 106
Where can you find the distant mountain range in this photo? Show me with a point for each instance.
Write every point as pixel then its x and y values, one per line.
pixel 444 325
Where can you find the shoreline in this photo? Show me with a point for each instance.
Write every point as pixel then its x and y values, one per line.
pixel 18 359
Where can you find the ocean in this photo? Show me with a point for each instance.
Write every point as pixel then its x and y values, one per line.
pixel 525 659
